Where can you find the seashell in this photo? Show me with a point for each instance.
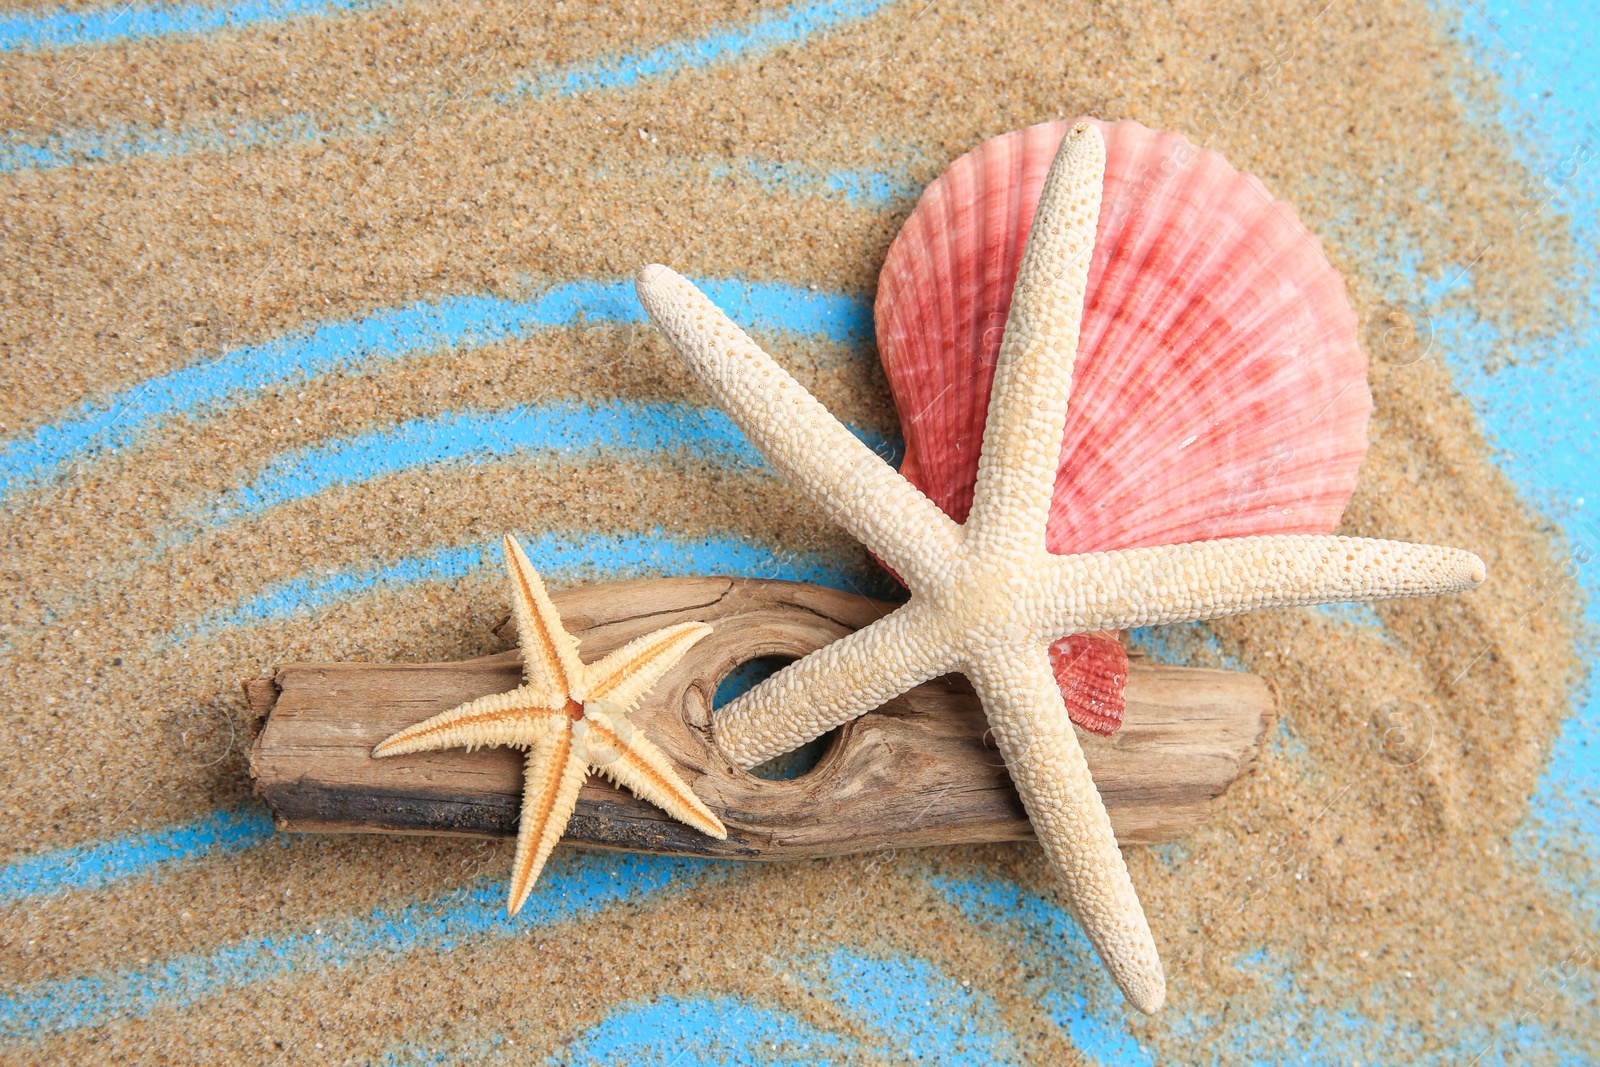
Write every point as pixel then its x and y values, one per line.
pixel 1219 389
pixel 1092 671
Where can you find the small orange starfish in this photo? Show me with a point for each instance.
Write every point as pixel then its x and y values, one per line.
pixel 571 718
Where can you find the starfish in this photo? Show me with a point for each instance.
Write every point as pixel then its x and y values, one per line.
pixel 987 597
pixel 570 717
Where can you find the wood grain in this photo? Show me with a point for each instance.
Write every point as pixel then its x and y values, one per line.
pixel 918 771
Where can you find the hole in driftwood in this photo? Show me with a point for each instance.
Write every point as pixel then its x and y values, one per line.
pixel 745 677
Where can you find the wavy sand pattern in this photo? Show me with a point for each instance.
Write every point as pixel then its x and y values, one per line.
pixel 308 301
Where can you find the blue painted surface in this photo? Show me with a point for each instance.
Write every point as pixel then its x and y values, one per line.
pixel 862 188
pixel 866 189
pixel 60 28
pixel 566 430
pixel 762 35
pixel 1071 985
pixel 194 391
pixel 907 1010
pixel 1540 412
pixel 1067 979
pixel 65 148
pixel 120 142
pixel 922 1014
pixel 1187 644
pixel 1302 1032
pixel 1360 616
pixel 700 1030
pixel 104 863
pixel 570 887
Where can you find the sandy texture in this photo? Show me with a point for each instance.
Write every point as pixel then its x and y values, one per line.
pixel 1382 876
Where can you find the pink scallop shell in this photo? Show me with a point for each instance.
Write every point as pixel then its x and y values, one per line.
pixel 1219 389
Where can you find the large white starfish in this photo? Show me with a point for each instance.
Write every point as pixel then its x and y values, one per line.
pixel 987 598
pixel 569 716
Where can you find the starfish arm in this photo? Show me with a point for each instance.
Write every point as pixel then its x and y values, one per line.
pixel 1033 378
pixel 549 653
pixel 621 752
pixel 797 434
pixel 1035 737
pixel 833 685
pixel 520 717
pixel 1208 579
pixel 555 773
pixel 617 682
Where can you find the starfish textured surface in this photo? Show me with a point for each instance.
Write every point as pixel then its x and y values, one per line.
pixel 987 597
pixel 571 718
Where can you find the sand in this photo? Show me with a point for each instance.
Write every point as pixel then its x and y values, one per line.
pixel 1389 884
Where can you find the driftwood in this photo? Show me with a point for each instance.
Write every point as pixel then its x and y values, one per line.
pixel 918 771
